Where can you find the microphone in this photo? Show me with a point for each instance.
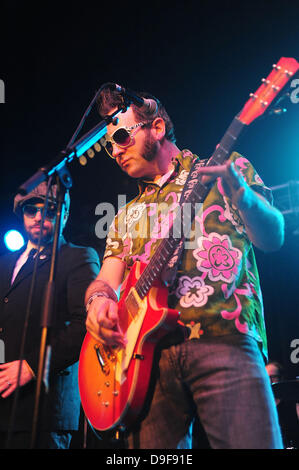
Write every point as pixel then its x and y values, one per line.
pixel 146 105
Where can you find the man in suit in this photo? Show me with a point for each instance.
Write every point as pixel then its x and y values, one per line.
pixel 76 268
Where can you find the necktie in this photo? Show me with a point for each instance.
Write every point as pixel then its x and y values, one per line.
pixel 18 268
pixel 31 254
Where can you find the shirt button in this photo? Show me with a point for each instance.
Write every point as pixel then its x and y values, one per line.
pixel 5 300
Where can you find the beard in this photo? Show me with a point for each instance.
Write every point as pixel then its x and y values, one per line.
pixel 45 237
pixel 150 149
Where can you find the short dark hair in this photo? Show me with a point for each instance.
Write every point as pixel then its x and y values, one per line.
pixel 278 366
pixel 110 98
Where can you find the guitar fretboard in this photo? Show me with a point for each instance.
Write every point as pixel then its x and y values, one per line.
pixel 197 195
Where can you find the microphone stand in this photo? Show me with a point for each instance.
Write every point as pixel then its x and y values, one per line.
pixel 58 168
pixel 66 156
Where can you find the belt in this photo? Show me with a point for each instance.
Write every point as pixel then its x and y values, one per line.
pixel 181 334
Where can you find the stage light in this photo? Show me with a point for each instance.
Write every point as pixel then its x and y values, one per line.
pixel 13 240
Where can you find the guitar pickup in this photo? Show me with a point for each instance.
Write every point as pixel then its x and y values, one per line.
pixel 133 303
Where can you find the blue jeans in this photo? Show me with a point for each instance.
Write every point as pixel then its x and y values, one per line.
pixel 57 440
pixel 221 380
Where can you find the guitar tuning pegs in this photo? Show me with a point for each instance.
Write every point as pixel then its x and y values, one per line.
pixel 288 73
pixel 253 96
pixel 277 67
pixel 265 81
pixel 264 103
pixel 275 87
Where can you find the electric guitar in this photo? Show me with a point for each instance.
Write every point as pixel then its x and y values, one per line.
pixel 113 383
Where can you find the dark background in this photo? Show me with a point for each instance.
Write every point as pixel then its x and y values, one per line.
pixel 202 59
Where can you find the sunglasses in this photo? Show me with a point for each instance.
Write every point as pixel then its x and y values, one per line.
pixel 30 211
pixel 275 378
pixel 123 137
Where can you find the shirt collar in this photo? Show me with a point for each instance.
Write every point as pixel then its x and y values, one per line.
pixel 180 161
pixel 43 249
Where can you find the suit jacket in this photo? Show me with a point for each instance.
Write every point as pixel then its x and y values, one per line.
pixel 76 268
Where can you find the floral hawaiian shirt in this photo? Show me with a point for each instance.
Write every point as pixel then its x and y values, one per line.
pixel 217 283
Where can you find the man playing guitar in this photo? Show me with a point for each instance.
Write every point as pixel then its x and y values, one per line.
pixel 211 364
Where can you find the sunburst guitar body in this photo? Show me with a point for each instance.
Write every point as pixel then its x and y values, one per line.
pixel 114 382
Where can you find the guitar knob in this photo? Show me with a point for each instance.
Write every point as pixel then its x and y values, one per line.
pixel 99 393
pixel 83 160
pixel 106 403
pixel 90 153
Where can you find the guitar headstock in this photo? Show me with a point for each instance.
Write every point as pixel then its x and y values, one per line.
pixel 261 100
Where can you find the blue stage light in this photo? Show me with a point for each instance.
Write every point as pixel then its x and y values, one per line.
pixel 13 240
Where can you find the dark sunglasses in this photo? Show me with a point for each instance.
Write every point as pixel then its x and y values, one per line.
pixel 275 378
pixel 123 137
pixel 30 211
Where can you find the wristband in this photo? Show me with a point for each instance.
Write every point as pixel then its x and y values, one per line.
pixel 99 288
pixel 95 295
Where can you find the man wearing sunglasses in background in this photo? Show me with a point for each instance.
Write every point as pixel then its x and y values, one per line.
pixel 76 268
pixel 211 366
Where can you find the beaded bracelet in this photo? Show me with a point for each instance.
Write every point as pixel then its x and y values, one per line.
pixel 93 296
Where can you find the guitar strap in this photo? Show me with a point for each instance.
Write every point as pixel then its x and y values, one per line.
pixel 170 270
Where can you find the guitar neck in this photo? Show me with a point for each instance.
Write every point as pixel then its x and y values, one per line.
pixel 227 143
pixel 197 195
